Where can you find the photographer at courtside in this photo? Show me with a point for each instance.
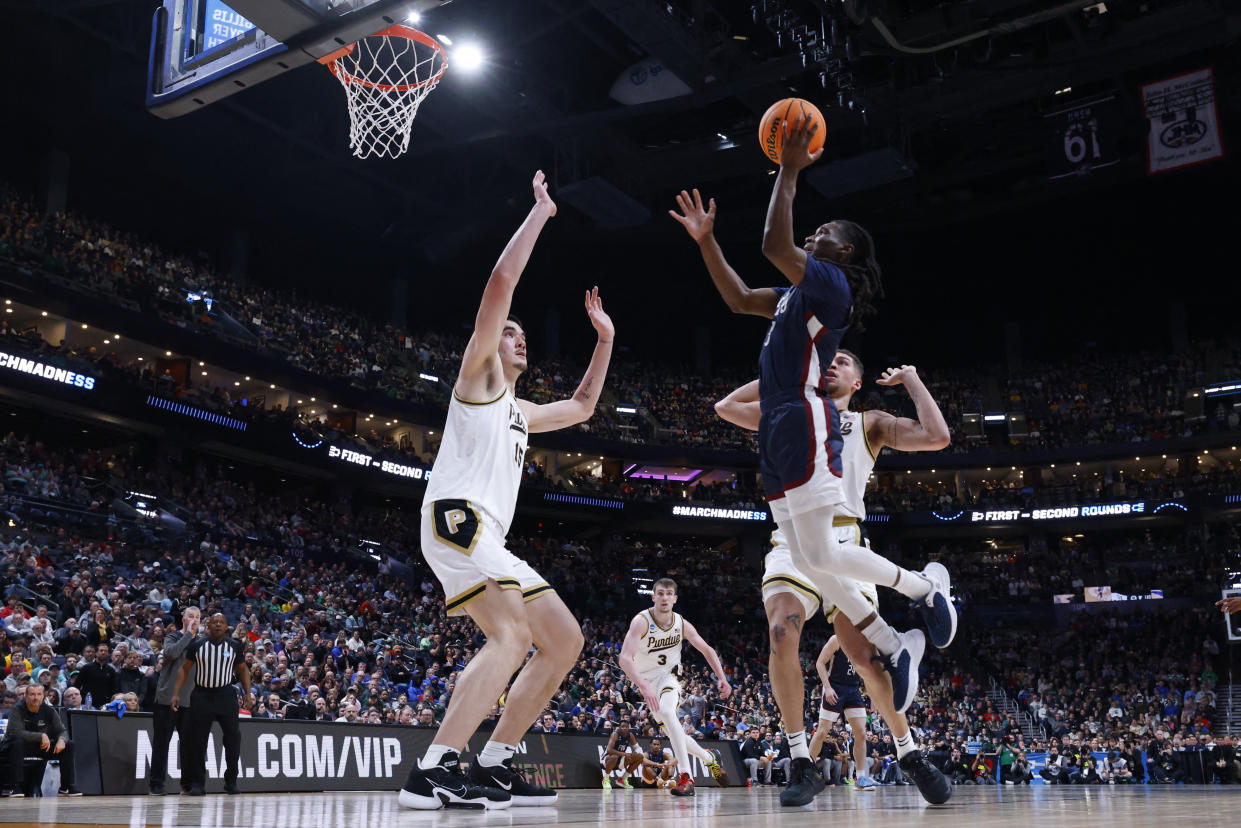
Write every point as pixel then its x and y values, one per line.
pixel 220 660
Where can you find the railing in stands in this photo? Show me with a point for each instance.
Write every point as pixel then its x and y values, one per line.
pixel 1229 700
pixel 30 600
pixel 999 697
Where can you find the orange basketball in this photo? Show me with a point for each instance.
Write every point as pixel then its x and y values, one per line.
pixel 771 129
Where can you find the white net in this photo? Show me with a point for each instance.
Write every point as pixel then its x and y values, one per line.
pixel 386 77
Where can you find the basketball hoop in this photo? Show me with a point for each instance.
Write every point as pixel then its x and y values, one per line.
pixel 386 76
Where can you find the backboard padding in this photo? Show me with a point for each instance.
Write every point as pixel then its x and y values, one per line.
pixel 183 75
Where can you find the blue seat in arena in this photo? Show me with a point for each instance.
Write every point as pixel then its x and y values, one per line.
pixel 37 513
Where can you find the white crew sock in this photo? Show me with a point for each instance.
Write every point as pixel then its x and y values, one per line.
pixel 881 634
pixel 433 756
pixel 905 745
pixel 913 585
pixel 797 745
pixel 494 754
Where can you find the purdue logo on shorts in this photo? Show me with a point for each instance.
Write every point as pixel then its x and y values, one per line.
pixel 456 524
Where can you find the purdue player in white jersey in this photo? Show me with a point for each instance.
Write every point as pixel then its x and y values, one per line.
pixel 466 512
pixel 788 596
pixel 651 657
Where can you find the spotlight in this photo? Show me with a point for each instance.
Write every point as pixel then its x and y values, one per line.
pixel 468 56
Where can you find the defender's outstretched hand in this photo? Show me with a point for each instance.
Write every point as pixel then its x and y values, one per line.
pixel 540 191
pixel 897 376
pixel 698 222
pixel 1230 605
pixel 598 317
pixel 795 152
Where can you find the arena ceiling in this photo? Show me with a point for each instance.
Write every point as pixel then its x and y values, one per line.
pixel 935 110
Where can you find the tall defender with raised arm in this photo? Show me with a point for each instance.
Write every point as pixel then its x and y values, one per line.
pixel 466 512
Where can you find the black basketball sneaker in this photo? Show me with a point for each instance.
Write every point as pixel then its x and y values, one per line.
pixel 513 782
pixel 804 784
pixel 447 786
pixel 932 784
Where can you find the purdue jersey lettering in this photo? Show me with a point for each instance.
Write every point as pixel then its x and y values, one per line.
pixel 660 651
pixel 517 423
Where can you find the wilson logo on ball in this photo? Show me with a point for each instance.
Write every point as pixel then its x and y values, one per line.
pixel 771 128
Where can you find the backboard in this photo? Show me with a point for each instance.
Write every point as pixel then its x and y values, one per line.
pixel 1233 622
pixel 205 50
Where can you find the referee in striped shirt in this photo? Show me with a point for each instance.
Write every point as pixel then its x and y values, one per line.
pixel 220 660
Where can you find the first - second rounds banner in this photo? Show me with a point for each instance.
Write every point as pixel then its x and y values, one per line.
pixel 114 756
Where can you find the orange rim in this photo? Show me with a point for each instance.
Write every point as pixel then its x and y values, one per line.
pixel 332 61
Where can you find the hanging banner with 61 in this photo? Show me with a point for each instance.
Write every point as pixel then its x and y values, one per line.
pixel 1082 136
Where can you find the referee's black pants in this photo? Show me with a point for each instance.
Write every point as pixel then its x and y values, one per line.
pixel 168 720
pixel 206 708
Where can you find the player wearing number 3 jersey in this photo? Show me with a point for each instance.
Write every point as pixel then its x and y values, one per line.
pixel 651 657
pixel 466 513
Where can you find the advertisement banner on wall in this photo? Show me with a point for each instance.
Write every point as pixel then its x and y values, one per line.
pixel 1182 121
pixel 114 756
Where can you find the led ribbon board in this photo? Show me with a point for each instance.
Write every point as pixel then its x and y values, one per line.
pixel 47 372
pixel 1096 510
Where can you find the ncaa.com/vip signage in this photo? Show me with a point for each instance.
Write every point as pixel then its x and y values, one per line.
pixel 1182 121
pixel 114 756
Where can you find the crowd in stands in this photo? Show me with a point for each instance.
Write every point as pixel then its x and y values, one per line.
pixel 1170 562
pixel 332 634
pixel 372 647
pixel 887 494
pixel 1222 476
pixel 1094 398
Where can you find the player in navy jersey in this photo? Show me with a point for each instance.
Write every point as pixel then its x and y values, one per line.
pixel 835 281
pixel 788 597
pixel 842 696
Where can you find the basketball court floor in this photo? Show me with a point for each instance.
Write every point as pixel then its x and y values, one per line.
pixel 1132 807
